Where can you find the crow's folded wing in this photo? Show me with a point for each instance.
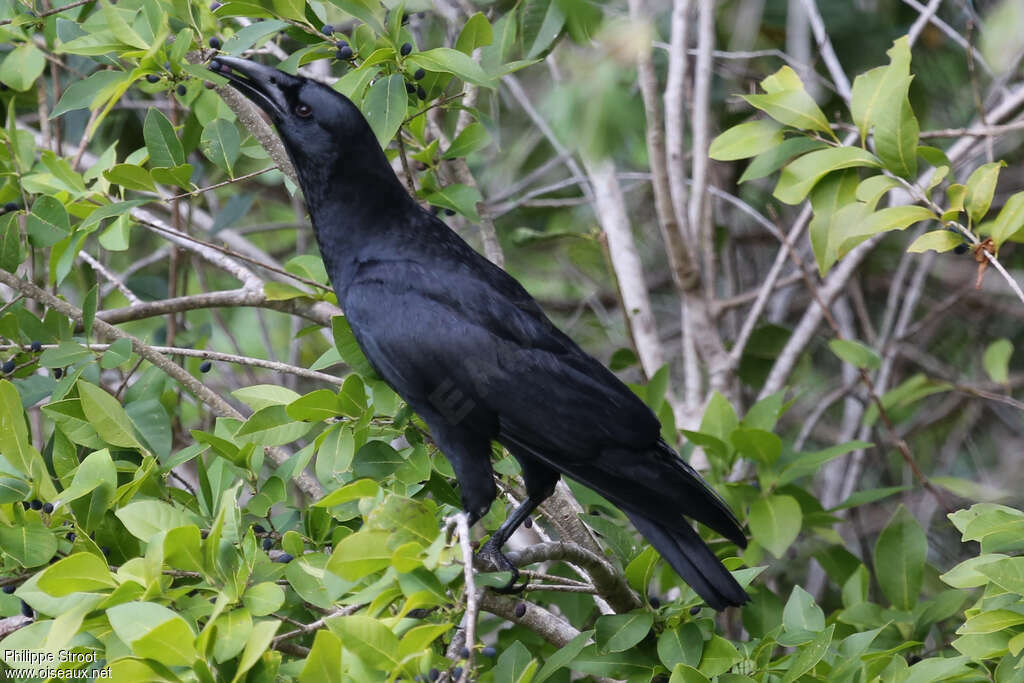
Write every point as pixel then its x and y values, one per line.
pixel 477 330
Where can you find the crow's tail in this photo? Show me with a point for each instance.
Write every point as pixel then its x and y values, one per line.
pixel 692 559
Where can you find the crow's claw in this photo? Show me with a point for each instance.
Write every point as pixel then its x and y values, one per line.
pixel 490 555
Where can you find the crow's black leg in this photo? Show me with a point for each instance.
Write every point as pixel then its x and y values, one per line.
pixel 491 551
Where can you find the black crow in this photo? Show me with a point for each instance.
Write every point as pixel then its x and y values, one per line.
pixel 471 351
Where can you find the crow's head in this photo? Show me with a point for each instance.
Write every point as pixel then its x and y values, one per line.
pixel 319 126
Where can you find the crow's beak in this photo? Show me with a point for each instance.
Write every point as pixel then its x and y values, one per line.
pixel 257 82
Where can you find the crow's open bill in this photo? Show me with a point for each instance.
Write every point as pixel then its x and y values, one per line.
pixel 471 351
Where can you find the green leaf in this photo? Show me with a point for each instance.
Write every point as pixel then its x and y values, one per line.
pixel 48 223
pixel 22 66
pixel 348 348
pixel 562 657
pixel 11 253
pixel 683 673
pixel 323 663
pixel 145 518
pixel 746 140
pixel 176 176
pixel 368 639
pixel 233 631
pixel 359 554
pixel 809 655
pixel 775 522
pixel 82 571
pixel 90 92
pixel 770 161
pixel 828 197
pixel 250 35
pixel 800 176
pixel 107 416
pixel 981 187
pixel 681 645
pixel 457 197
pixel 991 622
pixel 786 101
pixel 899 559
pixel 854 228
pixel 14 437
pixel 259 396
pixel 163 145
pixel 96 470
pixel 542 22
pixel 471 139
pixel 447 60
pixel 130 177
pixel 936 240
pixel 385 107
pixel 264 598
pixel 30 544
pixel 1010 219
pixel 909 391
pixel 620 632
pixel 258 644
pixel 515 665
pixel 271 426
pixel 368 11
pixel 154 631
pixel 801 613
pixel 759 445
pixel 855 353
pixel 808 463
pixel 220 143
pixel 477 32
pixel 997 360
pixel 718 657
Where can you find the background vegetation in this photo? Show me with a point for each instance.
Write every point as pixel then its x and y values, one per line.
pixel 202 480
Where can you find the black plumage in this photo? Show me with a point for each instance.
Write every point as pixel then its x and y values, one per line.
pixel 471 351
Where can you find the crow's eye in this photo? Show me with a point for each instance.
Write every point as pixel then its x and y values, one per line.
pixel 302 109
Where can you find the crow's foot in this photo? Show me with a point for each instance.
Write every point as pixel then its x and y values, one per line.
pixel 490 555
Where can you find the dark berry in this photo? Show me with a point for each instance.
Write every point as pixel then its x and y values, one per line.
pixel 105 550
pixel 341 43
pixel 215 43
pixel 9 588
pixel 327 29
pixel 520 610
pixel 434 674
pixel 488 651
pixel 456 673
pixel 960 249
pixel 3 87
pixel 25 504
pixel 58 373
pixel 464 653
pixel 420 73
pixel 9 366
pixel 216 65
pixel 214 6
pixel 10 206
pixel 406 49
pixel 695 610
pixel 345 53
pixel 182 90
pixel 284 558
pixel 204 533
pixel 410 88
pixel 152 78
pixel 268 543
pixel 528 522
pixel 654 600
pixel 26 611
pixel 205 366
pixel 167 65
pixel 47 508
pixel 913 659
pixel 209 85
pixel 71 536
pixel 449 212
pixel 420 92
pixel 36 504
pixel 258 529
pixel 192 593
pixel 36 347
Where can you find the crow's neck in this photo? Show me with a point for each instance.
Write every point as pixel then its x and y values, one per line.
pixel 359 210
